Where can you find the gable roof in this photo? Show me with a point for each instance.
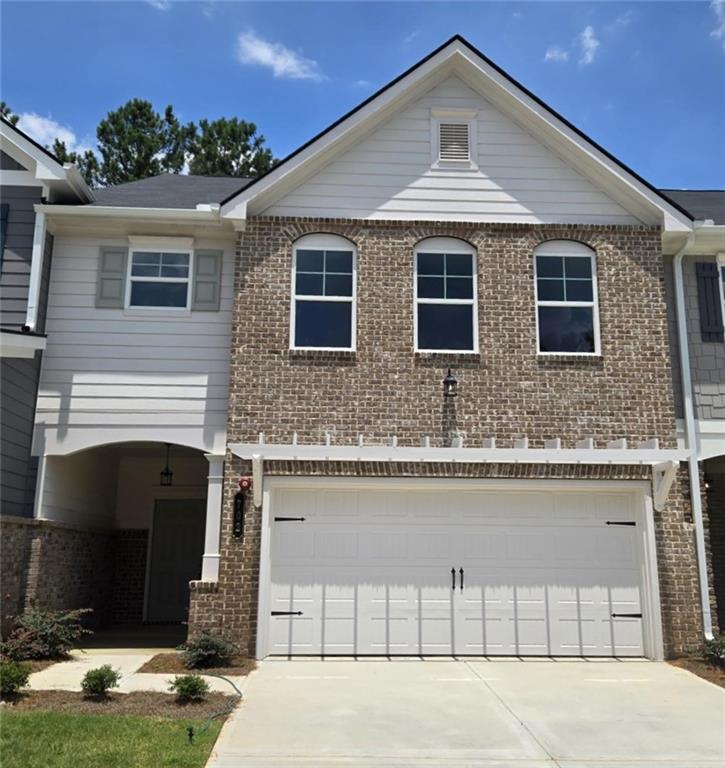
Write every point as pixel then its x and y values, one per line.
pixel 457 49
pixel 701 203
pixel 170 190
pixel 63 179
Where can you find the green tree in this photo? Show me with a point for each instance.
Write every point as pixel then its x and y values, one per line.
pixel 87 162
pixel 136 142
pixel 228 147
pixel 8 113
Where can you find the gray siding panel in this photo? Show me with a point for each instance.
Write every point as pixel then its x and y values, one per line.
pixel 15 275
pixel 8 163
pixel 707 359
pixel 18 390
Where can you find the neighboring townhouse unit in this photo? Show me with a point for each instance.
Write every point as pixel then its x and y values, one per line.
pixel 410 392
pixel 29 175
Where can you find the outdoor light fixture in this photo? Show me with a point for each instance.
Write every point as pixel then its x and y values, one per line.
pixel 450 385
pixel 167 476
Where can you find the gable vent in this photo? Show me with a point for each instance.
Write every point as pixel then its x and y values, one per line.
pixel 453 141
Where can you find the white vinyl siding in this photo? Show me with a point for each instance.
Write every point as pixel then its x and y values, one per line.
pixel 388 175
pixel 108 372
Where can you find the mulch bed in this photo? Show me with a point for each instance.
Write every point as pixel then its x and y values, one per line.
pixel 148 703
pixel 702 669
pixel 173 664
pixel 36 665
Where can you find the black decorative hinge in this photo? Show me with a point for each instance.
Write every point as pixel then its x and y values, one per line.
pixel 286 613
pixel 289 519
pixel 626 615
pixel 621 522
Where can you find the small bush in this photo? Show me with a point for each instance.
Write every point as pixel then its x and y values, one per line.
pixel 714 651
pixel 97 682
pixel 208 650
pixel 189 687
pixel 13 676
pixel 40 634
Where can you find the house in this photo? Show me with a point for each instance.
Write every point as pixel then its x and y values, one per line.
pixel 410 392
pixel 29 174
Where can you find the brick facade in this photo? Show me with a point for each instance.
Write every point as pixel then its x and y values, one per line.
pixel 715 495
pixel 129 575
pixel 384 388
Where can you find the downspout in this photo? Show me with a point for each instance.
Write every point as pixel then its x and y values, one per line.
pixel 691 437
pixel 36 272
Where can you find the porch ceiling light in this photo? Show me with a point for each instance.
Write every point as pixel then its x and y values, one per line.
pixel 450 385
pixel 167 476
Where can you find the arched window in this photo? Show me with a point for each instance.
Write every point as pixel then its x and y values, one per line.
pixel 445 296
pixel 567 315
pixel 323 293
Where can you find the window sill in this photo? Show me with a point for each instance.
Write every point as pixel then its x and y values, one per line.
pixel 328 353
pixel 156 312
pixel 564 357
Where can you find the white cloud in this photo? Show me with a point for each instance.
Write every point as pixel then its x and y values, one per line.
pixel 160 5
pixel 554 53
pixel 283 62
pixel 361 84
pixel 718 8
pixel 589 44
pixel 45 130
pixel 408 39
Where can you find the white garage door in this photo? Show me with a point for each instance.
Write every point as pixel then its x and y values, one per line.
pixel 362 571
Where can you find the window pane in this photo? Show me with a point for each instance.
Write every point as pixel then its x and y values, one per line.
pixel 338 261
pixel 430 288
pixel 144 270
pixel 566 329
pixel 158 294
pixel 459 264
pixel 579 290
pixel 549 266
pixel 175 259
pixel 550 290
pixel 308 285
pixel 323 324
pixel 310 261
pixel 430 263
pixel 445 326
pixel 459 287
pixel 146 257
pixel 578 266
pixel 174 271
pixel 338 285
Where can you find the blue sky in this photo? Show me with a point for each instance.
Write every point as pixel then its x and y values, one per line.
pixel 646 80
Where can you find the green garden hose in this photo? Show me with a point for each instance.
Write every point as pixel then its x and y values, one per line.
pixel 190 732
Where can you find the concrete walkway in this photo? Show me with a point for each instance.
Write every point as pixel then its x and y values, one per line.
pixel 67 675
pixel 449 713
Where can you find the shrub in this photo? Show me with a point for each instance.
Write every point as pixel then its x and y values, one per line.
pixel 96 682
pixel 189 687
pixel 714 651
pixel 13 676
pixel 40 634
pixel 208 650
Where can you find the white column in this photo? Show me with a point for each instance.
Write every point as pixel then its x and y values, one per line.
pixel 212 534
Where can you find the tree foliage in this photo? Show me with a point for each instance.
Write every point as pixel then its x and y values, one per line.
pixel 8 113
pixel 87 161
pixel 228 147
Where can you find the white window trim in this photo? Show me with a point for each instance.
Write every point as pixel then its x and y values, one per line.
pixel 584 252
pixel 323 242
pixel 445 245
pixel 131 308
pixel 468 117
pixel 721 283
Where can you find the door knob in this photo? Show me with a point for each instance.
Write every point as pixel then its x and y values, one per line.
pixel 461 574
pixel 453 579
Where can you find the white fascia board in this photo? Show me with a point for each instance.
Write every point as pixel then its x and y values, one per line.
pixel 125 212
pixel 465 62
pixel 21 344
pixel 385 453
pixel 710 436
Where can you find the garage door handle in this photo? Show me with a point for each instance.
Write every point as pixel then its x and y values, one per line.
pixel 286 613
pixel 626 615
pixel 461 573
pixel 453 579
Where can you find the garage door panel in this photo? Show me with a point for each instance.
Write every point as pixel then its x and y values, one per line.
pixel 371 573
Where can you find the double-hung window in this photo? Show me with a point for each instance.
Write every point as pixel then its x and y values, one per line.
pixel 159 279
pixel 445 296
pixel 566 299
pixel 323 293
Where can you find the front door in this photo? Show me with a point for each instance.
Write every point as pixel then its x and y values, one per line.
pixel 177 546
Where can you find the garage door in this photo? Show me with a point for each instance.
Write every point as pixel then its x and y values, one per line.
pixel 416 571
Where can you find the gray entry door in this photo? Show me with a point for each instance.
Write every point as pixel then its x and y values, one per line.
pixel 177 546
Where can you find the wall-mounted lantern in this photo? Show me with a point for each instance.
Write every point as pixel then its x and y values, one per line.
pixel 167 476
pixel 245 484
pixel 450 385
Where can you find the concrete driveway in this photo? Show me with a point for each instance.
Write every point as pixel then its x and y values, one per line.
pixel 449 713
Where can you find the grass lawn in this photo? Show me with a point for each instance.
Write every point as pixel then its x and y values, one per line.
pixel 35 739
